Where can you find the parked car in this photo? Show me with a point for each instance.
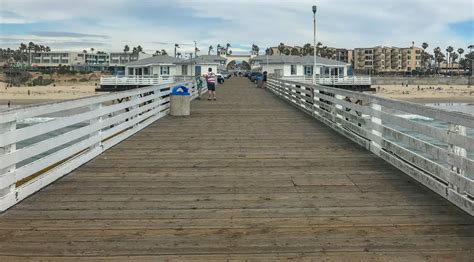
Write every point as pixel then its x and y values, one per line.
pixel 225 74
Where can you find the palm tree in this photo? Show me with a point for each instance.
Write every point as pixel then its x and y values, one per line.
pixel 157 53
pixel 47 49
pixel 281 48
pixel 227 46
pixel 139 49
pixel 460 51
pixel 269 51
pixel 163 52
pixel 92 50
pixel 210 50
pixel 22 49
pixel 449 50
pixel 31 46
pixel 423 55
pixel 219 49
pixel 295 51
pixel 439 57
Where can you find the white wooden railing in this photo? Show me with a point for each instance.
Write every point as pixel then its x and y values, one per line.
pixel 33 156
pixel 438 159
pixel 332 80
pixel 136 80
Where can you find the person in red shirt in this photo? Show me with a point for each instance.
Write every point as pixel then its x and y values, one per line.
pixel 211 80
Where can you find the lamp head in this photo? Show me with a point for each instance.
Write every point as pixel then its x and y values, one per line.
pixel 314 9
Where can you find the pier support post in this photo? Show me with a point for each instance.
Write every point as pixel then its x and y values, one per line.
pixel 7 178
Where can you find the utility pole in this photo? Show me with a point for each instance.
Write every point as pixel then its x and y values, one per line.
pixel 314 53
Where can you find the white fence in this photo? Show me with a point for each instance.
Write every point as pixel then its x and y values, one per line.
pixel 35 155
pixel 434 156
pixel 332 80
pixel 139 80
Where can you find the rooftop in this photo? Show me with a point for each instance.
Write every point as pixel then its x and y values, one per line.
pixel 204 59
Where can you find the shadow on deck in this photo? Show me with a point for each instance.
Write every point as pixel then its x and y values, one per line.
pixel 245 177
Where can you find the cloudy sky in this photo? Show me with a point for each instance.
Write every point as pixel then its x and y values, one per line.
pixel 155 24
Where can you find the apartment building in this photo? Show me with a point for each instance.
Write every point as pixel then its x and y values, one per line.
pixel 54 59
pixel 81 61
pixel 344 55
pixel 381 59
pixel 121 58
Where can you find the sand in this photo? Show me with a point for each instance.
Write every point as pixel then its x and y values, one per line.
pixel 41 94
pixel 437 94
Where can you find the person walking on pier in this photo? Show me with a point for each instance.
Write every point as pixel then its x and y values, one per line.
pixel 211 80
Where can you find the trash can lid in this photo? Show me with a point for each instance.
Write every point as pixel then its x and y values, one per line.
pixel 180 90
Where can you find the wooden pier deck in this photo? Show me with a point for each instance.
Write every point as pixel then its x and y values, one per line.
pixel 247 177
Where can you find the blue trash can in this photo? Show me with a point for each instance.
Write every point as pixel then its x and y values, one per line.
pixel 180 101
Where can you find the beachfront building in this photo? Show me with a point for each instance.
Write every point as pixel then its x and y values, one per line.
pixel 381 59
pixel 121 58
pixel 328 72
pixel 289 66
pixel 155 66
pixel 54 59
pixel 200 65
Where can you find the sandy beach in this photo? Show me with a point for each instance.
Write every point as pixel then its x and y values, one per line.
pixel 427 94
pixel 42 94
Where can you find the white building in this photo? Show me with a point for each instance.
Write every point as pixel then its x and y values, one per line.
pixel 200 65
pixel 155 66
pixel 294 66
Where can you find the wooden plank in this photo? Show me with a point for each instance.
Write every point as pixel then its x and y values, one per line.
pixel 245 177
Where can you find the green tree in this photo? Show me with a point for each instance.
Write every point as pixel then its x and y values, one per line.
pixel 281 48
pixel 424 57
pixel 449 51
pixel 163 52
pixel 439 57
pixel 295 51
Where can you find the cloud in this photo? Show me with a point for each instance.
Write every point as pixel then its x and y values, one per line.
pixel 8 17
pixel 159 24
pixel 66 34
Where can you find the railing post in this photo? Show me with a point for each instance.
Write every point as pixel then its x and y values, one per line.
pixel 375 118
pixel 456 150
pixel 7 185
pixel 94 108
pixel 315 98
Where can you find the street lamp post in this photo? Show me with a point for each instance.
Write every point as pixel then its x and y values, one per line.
pixel 314 51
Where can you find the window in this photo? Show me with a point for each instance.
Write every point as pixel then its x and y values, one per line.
pixel 293 70
pixel 408 57
pixel 165 70
pixel 409 68
pixel 146 71
pixel 418 52
pixel 368 62
pixel 130 71
pixel 308 70
pixel 184 70
pixel 64 61
pixel 418 57
pixel 55 61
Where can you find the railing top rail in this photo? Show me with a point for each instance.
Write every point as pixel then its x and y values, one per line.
pixel 455 117
pixel 52 107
